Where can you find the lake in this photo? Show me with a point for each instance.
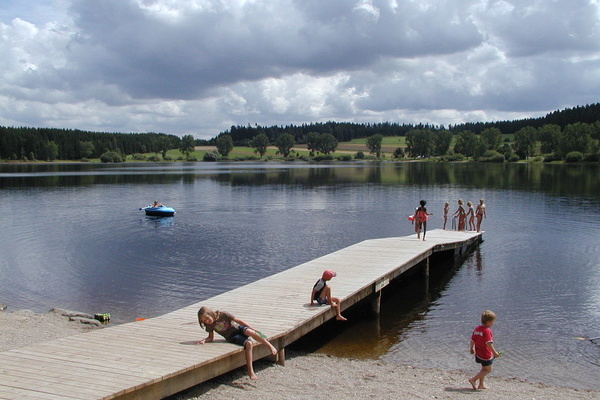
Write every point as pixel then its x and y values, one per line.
pixel 72 236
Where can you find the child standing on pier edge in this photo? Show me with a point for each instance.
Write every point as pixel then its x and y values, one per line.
pixel 234 330
pixel 446 209
pixel 482 345
pixel 421 217
pixel 321 293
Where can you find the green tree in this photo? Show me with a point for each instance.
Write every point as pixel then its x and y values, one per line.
pixel 51 151
pixel 327 143
pixel 479 147
pixel 595 135
pixel 374 144
pixel 525 139
pixel 321 143
pixel 111 157
pixel 187 145
pixel 313 142
pixel 441 142
pixel 576 137
pixel 224 145
pixel 465 143
pixel 549 136
pixel 86 148
pixel 419 142
pixel 492 137
pixel 285 143
pixel 260 143
pixel 163 145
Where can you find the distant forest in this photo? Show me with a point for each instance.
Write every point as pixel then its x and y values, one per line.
pixel 23 143
pixel 66 144
pixel 346 131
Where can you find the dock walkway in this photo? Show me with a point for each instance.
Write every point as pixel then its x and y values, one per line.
pixel 155 358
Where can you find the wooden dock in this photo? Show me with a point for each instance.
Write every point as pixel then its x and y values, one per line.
pixel 155 358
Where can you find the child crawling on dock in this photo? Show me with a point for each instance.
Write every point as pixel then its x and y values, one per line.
pixel 321 293
pixel 234 330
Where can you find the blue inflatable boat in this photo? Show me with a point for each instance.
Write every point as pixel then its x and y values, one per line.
pixel 160 211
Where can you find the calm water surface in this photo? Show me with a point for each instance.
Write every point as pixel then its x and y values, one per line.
pixel 71 236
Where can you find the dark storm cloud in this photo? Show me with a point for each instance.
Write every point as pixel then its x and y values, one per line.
pixel 147 56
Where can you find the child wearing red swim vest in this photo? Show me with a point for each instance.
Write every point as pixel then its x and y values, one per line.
pixel 421 217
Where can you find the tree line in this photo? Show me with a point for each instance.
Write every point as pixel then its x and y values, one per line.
pixel 66 144
pixel 572 130
pixel 346 131
pixel 574 142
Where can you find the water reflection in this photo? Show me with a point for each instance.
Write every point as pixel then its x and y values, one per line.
pixel 574 179
pixel 541 177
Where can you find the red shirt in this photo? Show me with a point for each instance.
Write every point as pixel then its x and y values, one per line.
pixel 482 335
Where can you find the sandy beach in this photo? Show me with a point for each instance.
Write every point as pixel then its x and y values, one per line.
pixel 308 376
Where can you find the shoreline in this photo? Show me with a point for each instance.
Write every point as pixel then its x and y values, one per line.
pixel 313 376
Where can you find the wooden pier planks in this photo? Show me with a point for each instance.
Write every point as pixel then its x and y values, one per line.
pixel 157 357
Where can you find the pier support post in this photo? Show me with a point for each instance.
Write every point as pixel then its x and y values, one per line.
pixel 281 357
pixel 376 303
pixel 426 268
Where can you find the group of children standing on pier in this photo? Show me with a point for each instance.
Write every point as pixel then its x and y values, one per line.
pixel 472 216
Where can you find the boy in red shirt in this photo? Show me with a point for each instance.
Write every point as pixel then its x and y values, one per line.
pixel 482 345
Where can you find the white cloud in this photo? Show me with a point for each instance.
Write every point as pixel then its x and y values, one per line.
pixel 199 66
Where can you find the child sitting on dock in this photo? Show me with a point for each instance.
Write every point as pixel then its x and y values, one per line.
pixel 234 330
pixel 482 345
pixel 321 293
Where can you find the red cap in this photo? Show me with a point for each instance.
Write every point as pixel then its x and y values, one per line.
pixel 328 274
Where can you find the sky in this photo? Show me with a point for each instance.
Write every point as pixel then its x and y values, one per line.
pixel 197 67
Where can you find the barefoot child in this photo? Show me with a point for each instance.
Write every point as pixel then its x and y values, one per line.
pixel 460 213
pixel 482 345
pixel 234 330
pixel 321 293
pixel 421 217
pixel 471 216
pixel 446 209
pixel 480 214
